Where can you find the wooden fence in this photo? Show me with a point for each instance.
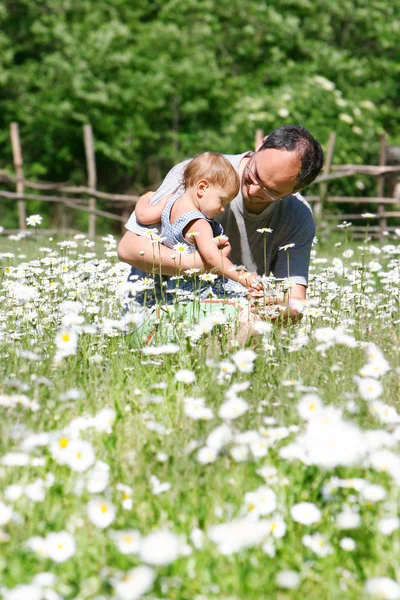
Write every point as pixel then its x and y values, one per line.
pixel 84 198
pixel 81 198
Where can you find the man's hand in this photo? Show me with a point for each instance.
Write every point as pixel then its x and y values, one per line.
pixel 286 310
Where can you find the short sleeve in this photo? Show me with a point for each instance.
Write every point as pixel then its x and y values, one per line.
pixel 293 260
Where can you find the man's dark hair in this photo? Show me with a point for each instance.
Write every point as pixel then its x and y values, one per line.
pixel 297 138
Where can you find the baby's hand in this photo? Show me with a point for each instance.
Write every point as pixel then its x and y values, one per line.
pixel 250 280
pixel 254 282
pixel 223 244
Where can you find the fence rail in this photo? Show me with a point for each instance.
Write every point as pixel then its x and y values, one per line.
pixel 62 187
pixel 75 203
pixel 84 197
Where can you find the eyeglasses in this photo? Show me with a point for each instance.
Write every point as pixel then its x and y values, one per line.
pixel 252 178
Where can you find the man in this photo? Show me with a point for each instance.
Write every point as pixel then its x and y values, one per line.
pixel 288 160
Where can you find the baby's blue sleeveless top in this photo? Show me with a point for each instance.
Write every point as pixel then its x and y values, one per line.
pixel 173 232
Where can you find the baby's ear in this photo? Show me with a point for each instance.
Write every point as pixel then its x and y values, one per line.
pixel 202 185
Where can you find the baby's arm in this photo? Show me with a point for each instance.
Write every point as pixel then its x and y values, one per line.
pixel 211 254
pixel 147 213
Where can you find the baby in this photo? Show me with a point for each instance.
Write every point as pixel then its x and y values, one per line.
pixel 211 183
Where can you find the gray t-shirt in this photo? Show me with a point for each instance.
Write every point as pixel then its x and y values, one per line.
pixel 290 219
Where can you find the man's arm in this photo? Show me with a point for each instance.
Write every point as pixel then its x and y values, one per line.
pixel 295 301
pixel 142 253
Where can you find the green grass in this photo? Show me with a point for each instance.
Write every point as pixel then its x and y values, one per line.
pixel 111 370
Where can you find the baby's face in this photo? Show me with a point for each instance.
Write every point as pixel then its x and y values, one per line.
pixel 214 201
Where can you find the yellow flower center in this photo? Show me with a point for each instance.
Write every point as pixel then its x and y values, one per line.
pixel 64 442
pixel 127 539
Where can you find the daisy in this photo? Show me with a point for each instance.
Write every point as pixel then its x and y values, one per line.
pixel 185 376
pixel 208 277
pixel 66 342
pixel 244 360
pixel 34 220
pixel 382 587
pixel 305 513
pixel 80 455
pixel 5 513
pixel 128 541
pixel 369 388
pixel 233 408
pixel 150 232
pixel 207 455
pixel 347 544
pixel 309 405
pixel 59 449
pixel 181 248
pixel 126 495
pixel 195 409
pixel 23 592
pixel 288 579
pixel 261 502
pixel 101 512
pixel 104 419
pixel 134 584
pixel 318 544
pixel 160 548
pixel 98 477
pixel 60 546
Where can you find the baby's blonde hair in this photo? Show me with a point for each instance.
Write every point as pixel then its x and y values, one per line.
pixel 216 169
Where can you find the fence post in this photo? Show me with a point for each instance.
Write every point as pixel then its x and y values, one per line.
pixel 323 187
pixel 381 185
pixel 17 159
pixel 92 176
pixel 258 138
pixel 126 213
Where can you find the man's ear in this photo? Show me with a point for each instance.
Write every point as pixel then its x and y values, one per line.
pixel 261 143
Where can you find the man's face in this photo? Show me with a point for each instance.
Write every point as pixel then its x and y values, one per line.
pixel 268 176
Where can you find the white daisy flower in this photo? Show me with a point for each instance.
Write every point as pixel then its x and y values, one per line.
pixel 101 512
pixel 305 513
pixel 160 548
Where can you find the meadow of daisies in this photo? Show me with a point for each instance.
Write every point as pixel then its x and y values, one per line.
pixel 168 457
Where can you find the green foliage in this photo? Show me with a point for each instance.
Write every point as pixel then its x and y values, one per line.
pixel 160 81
